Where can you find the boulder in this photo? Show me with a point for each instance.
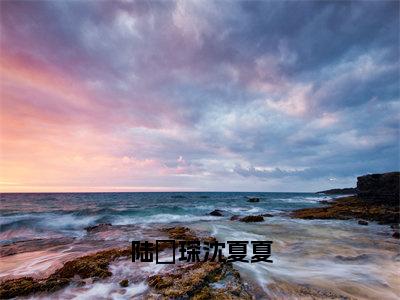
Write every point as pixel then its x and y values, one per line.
pixel 124 283
pixel 253 199
pixel 216 212
pixel 98 227
pixel 235 217
pixel 202 280
pixel 267 215
pixel 362 222
pixel 249 219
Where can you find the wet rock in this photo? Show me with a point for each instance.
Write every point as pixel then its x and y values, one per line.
pixel 288 290
pixel 267 215
pixel 362 222
pixel 197 281
pixel 324 202
pixel 217 213
pixel 396 235
pixel 97 228
pixel 351 207
pixel 180 233
pixel 253 199
pixel 33 245
pixel 124 283
pixel 249 219
pixel 235 218
pixel 27 285
pixel 377 200
pixel 185 234
pixel 208 239
pixel 361 257
pixel 93 265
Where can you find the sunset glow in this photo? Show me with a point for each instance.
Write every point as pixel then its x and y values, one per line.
pixel 166 96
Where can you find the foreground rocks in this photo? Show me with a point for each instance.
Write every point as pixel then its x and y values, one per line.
pixel 89 266
pixel 193 280
pixel 33 245
pixel 205 280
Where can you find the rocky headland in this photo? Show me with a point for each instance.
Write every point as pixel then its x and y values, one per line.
pixel 377 199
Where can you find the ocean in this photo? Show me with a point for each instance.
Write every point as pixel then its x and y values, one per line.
pixel 40 231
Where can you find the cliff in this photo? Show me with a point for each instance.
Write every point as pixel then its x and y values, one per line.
pixel 379 188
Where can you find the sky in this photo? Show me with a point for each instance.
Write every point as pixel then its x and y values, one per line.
pixel 197 95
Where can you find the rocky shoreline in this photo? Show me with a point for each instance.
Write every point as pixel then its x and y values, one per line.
pixel 377 200
pixel 201 280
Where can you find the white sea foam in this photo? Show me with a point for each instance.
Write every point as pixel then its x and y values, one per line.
pixel 162 218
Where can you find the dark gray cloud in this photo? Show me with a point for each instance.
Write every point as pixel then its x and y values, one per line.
pixel 253 89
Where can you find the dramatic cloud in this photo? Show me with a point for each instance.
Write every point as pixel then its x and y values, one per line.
pixel 197 95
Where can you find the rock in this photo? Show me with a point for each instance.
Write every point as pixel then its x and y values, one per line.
pixel 216 212
pixel 351 207
pixel 196 281
pixel 248 219
pixel 97 228
pixel 184 234
pixel 33 245
pixel 395 226
pixel 379 188
pixel 396 235
pixel 362 222
pixel 267 215
pixel 361 257
pixel 324 202
pixel 124 283
pixel 93 265
pixel 180 233
pixel 253 199
pixel 235 218
pixel 280 289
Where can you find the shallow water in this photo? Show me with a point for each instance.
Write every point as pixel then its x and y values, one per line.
pixel 337 257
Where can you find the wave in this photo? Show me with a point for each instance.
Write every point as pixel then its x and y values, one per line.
pixel 162 218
